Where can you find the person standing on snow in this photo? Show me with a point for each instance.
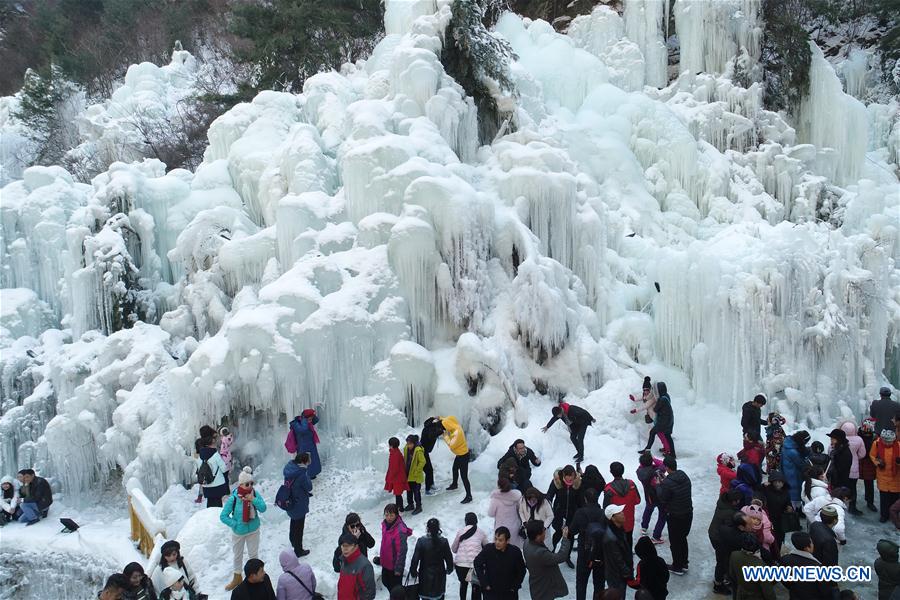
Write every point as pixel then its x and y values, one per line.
pixel 778 503
pixel 564 494
pixel 883 410
pixel 226 439
pixel 664 423
pixel 617 554
pixel 867 470
pixel 651 573
pixel 650 472
pixel 751 415
pixel 393 547
pixel 802 556
pixel 353 525
pixel 241 514
pixel 431 431
pixel 303 437
pixel 211 473
pixel 887 568
pixel 500 568
pixel 674 494
pixel 534 507
pixel 622 492
pixel 841 462
pixel 648 401
pixel 545 580
pixel 256 584
pixel 793 464
pixel 205 432
pixel 432 561
pixel 296 472
pixel 466 546
pixel 524 458
pixel 455 438
pixel 414 456
pixel 726 469
pixel 749 556
pixel 753 452
pixel 588 525
pixel 395 480
pixel 297 582
pixel 577 419
pixel 504 507
pixel 825 546
pixel 357 576
pixel 885 453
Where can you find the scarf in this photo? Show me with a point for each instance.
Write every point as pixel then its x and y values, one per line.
pixel 308 415
pixel 176 594
pixel 246 514
pixel 880 448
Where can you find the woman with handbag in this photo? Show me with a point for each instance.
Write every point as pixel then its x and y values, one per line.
pixel 432 562
pixel 466 546
pixel 298 582
pixel 534 507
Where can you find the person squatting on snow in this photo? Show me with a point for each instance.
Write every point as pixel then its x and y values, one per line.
pixel 241 514
pixel 170 557
pixel 588 526
pixel 36 497
pixel 500 568
pixel 663 422
pixel 534 507
pixel 174 586
pixel 9 500
pixel 545 580
pixel 140 587
pixel 431 562
pixel 523 457
pixel 357 576
pixel 565 496
pixel 466 546
pixel 650 473
pixel 414 457
pixel 751 415
pixel 297 481
pixel 297 582
pixel 455 438
pixel 504 507
pixel 622 492
pixel 838 499
pixel 651 573
pixel 392 557
pixel 395 480
pixel 212 472
pixel 577 420
pixel 887 568
pixel 674 493
pixel 256 584
pixel 303 437
pixel 885 454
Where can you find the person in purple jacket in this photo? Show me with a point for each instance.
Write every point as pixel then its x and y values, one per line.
pixel 298 582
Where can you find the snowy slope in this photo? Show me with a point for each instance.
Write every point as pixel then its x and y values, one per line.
pixel 353 247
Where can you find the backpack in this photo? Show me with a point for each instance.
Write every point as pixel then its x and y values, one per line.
pixel 205 475
pixel 284 498
pixel 290 442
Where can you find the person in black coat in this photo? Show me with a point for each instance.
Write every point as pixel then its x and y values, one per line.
pixel 825 544
pixel 841 460
pixel 37 490
pixel 617 557
pixel 565 496
pixel 664 423
pixel 652 574
pixel 353 525
pixel 778 502
pixel 728 540
pixel 751 415
pixel 883 410
pixel 256 584
pixel 431 431
pixel 524 458
pixel 140 586
pixel 432 561
pixel 674 493
pixel 592 478
pixel 587 520
pixel 577 419
pixel 500 568
pixel 728 505
pixel 802 556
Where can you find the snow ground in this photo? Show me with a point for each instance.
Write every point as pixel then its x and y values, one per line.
pixel 700 434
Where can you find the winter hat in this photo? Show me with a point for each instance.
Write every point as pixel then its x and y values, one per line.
pixel 223 431
pixel 348 538
pixel 868 425
pixel 246 476
pixel 725 459
pixel 776 476
pixel 801 437
pixel 839 434
pixel 647 384
pixel 828 511
pixel 776 419
pixel 7 479
pixel 888 436
pixel 613 509
pixel 888 550
pixel 749 543
pixel 171 575
pixel 885 391
pixel 308 412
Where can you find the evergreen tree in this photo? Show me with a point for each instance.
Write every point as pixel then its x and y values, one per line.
pixel 40 102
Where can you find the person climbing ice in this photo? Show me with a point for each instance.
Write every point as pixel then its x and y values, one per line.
pixel 663 422
pixel 577 420
pixel 303 437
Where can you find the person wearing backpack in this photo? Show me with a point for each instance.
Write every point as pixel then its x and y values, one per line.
pixel 241 514
pixel 588 525
pixel 211 472
pixel 298 582
pixel 303 437
pixel 205 432
pixel 293 498
pixel 622 492
pixel 170 557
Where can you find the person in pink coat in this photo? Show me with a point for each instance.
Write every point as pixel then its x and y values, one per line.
pixel 504 508
pixel 760 523
pixel 857 453
pixel 226 439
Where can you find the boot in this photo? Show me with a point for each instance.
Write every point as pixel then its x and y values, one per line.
pixel 871 506
pixel 721 588
pixel 235 581
pixel 853 510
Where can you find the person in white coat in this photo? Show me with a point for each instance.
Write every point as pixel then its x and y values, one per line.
pixel 857 453
pixel 534 507
pixel 839 500
pixel 465 547
pixel 9 499
pixel 815 484
pixel 212 480
pixel 504 507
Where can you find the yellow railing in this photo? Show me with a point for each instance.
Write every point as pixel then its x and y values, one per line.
pixel 144 534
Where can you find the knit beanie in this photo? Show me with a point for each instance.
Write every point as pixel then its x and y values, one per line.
pixel 888 436
pixel 647 384
pixel 171 575
pixel 246 476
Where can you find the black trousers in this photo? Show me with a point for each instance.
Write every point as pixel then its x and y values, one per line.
pixel 722 565
pixel 390 579
pixel 885 499
pixel 461 573
pixel 429 473
pixel 869 485
pixel 679 528
pixel 851 485
pixel 414 495
pixel 461 469
pixel 583 573
pixel 576 434
pixel 296 534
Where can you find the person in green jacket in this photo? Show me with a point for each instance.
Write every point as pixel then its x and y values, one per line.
pixel 749 556
pixel 241 514
pixel 414 455
pixel 887 567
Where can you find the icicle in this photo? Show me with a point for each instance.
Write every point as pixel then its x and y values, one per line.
pixel 643 25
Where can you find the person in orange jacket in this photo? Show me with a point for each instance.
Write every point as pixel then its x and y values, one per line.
pixel 455 438
pixel 885 453
pixel 395 481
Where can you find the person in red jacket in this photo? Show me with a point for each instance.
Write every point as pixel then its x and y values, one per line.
pixel 726 469
pixel 396 481
pixel 753 452
pixel 622 492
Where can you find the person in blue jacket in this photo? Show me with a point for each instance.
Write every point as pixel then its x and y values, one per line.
pixel 241 515
pixel 793 462
pixel 304 429
pixel 297 472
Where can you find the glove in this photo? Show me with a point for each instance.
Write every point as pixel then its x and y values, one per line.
pixel 843 542
pixel 376 561
pixel 633 410
pixel 632 397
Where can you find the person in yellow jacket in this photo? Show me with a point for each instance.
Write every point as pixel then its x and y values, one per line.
pixel 455 438
pixel 414 455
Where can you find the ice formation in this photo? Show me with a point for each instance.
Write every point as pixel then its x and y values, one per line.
pixel 352 248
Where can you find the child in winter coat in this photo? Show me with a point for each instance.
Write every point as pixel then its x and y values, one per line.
pixel 9 500
pixel 817 456
pixel 867 472
pixel 175 586
pixel 648 401
pixel 727 471
pixel 226 439
pixel 392 556
pixel 466 546
pixel 760 524
pixel 414 459
pixel 885 453
pixel 651 573
pixel 504 507
pixel 396 480
pixel 753 451
pixel 887 567
pixel 773 450
pixel 778 502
